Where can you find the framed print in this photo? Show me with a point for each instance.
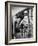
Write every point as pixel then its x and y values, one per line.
pixel 20 22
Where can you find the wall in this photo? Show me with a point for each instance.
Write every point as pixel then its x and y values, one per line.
pixel 37 22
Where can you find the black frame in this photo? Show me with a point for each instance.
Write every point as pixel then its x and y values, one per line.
pixel 6 21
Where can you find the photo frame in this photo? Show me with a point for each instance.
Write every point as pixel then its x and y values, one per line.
pixel 20 22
